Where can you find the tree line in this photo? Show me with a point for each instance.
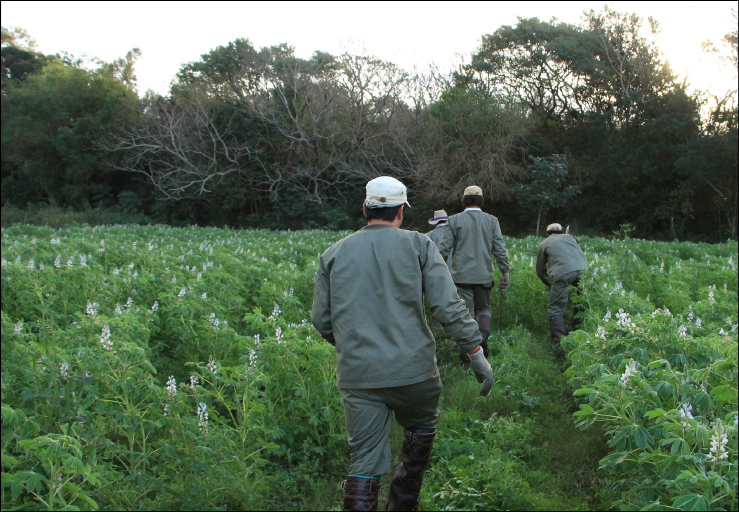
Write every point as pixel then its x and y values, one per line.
pixel 584 124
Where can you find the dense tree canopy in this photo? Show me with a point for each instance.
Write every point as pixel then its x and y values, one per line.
pixel 260 137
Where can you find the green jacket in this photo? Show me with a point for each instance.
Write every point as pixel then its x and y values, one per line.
pixel 559 254
pixel 475 238
pixel 369 294
pixel 436 235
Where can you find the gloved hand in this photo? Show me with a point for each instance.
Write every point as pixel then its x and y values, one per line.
pixel 505 280
pixel 483 370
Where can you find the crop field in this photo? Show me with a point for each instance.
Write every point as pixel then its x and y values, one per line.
pixel 176 368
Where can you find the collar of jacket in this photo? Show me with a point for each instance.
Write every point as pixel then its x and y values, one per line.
pixel 473 209
pixel 377 226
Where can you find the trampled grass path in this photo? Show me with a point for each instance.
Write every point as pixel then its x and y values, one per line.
pixel 517 449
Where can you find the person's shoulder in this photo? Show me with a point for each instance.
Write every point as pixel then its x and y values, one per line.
pixel 545 243
pixel 415 235
pixel 339 243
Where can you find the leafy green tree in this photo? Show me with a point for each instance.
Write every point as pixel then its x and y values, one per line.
pixel 19 56
pixel 123 69
pixel 542 189
pixel 49 127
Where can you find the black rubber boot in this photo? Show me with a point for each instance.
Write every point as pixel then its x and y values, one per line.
pixel 414 459
pixel 557 329
pixel 360 493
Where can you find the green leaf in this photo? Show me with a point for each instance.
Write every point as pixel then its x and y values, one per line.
pixel 584 391
pixel 657 413
pixel 31 481
pixel 691 501
pixel 643 437
pixel 622 433
pixel 587 409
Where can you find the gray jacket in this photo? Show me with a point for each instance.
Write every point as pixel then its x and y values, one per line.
pixel 557 255
pixel 475 238
pixel 437 234
pixel 369 294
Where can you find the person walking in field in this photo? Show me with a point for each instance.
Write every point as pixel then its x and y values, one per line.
pixel 475 238
pixel 368 303
pixel 439 221
pixel 559 261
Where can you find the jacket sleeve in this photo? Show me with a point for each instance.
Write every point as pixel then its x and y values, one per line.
pixel 541 266
pixel 321 310
pixel 445 304
pixel 499 249
pixel 447 241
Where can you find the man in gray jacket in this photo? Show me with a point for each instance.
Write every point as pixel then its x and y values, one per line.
pixel 438 221
pixel 475 238
pixel 559 261
pixel 368 302
pixel 436 234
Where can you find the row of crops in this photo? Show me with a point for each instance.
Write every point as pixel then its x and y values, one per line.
pixel 656 366
pixel 155 367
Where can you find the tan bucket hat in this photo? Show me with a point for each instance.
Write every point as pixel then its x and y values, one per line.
pixel 439 215
pixel 554 227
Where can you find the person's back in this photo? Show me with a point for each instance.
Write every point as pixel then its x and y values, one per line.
pixel 474 244
pixel 562 255
pixel 376 297
pixel 436 234
pixel 368 303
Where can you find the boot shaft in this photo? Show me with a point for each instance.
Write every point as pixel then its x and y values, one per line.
pixel 557 328
pixel 361 493
pixel 414 459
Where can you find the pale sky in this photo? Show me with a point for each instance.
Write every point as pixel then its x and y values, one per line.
pixel 170 34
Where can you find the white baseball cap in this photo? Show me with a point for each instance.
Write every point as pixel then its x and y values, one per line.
pixel 384 192
pixel 554 227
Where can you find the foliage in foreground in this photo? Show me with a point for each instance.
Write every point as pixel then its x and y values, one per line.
pixel 132 377
pixel 657 366
pixel 152 367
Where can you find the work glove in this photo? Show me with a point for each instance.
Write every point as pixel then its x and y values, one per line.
pixel 505 280
pixel 483 371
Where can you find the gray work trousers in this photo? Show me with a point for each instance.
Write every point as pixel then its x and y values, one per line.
pixel 368 414
pixel 558 295
pixel 477 298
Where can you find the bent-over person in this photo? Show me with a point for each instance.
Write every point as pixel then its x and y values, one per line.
pixel 368 302
pixel 559 261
